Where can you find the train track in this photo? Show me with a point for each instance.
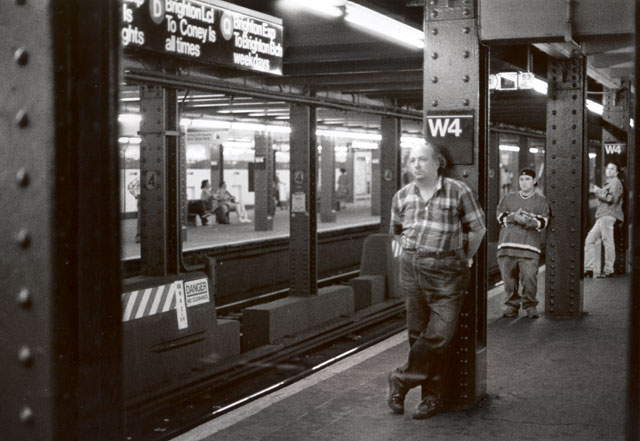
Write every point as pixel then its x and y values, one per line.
pixel 264 369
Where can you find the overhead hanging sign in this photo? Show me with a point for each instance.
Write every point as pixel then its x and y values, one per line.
pixel 206 31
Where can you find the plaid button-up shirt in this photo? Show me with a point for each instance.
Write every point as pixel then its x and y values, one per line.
pixel 440 223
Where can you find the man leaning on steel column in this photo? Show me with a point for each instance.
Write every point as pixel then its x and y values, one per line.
pixel 441 226
pixel 609 210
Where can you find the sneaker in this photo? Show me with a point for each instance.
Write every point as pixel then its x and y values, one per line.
pixel 532 312
pixel 510 311
pixel 588 274
pixel 605 276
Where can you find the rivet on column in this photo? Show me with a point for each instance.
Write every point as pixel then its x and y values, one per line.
pixel 21 56
pixel 22 119
pixel 26 415
pixel 22 238
pixel 24 298
pixel 22 177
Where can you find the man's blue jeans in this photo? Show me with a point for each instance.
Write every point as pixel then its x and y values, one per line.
pixel 603 228
pixel 434 290
pixel 519 272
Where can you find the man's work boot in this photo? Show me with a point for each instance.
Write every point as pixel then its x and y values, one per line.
pixel 426 408
pixel 397 393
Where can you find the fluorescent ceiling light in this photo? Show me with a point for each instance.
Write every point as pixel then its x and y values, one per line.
pixel 129 140
pixel 205 123
pixel 346 134
pixel 540 86
pixel 593 155
pixel 260 127
pixel 332 8
pixel 383 25
pixel 594 107
pixel 359 144
pixel 509 148
pixel 129 118
pixel 533 150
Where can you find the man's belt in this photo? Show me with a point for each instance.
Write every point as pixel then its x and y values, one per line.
pixel 436 254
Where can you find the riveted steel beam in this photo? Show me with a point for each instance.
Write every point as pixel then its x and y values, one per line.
pixel 455 89
pixel 633 359
pixel 263 172
pixel 540 20
pixel 566 180
pixel 327 180
pixel 60 226
pixel 159 181
pixel 303 223
pixel 389 167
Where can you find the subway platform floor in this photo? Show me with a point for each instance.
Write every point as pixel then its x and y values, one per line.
pixel 235 232
pixel 547 379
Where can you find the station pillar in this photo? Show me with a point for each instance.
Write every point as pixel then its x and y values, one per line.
pixel 263 172
pixel 615 141
pixel 389 168
pixel 327 180
pixel 455 98
pixel 216 164
pixel 160 213
pixel 303 222
pixel 375 182
pixel 566 182
pixel 61 343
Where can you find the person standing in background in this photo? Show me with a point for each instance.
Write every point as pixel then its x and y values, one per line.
pixel 522 215
pixel 609 210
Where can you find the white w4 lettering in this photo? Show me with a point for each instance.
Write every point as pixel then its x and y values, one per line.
pixel 442 126
pixel 613 148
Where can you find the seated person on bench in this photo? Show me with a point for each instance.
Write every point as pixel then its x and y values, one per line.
pixel 210 203
pixel 223 197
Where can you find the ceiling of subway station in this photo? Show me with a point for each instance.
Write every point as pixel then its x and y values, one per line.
pixel 329 56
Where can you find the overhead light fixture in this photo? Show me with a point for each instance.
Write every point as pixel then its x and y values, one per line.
pixel 367 145
pixel 533 150
pixel 593 155
pixel 253 127
pixel 129 118
pixel 509 148
pixel 347 134
pixel 540 86
pixel 595 107
pixel 129 140
pixel 383 25
pixel 205 123
pixel 331 8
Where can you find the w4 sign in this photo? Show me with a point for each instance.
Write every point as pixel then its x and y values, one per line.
pixel 452 130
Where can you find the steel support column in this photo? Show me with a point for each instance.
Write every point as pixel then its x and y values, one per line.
pixel 566 180
pixel 376 183
pixel 456 82
pixel 615 140
pixel 159 181
pixel 633 380
pixel 389 167
pixel 263 170
pixel 303 222
pixel 60 229
pixel 327 180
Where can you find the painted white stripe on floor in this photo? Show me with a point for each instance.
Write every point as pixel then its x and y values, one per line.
pixel 235 416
